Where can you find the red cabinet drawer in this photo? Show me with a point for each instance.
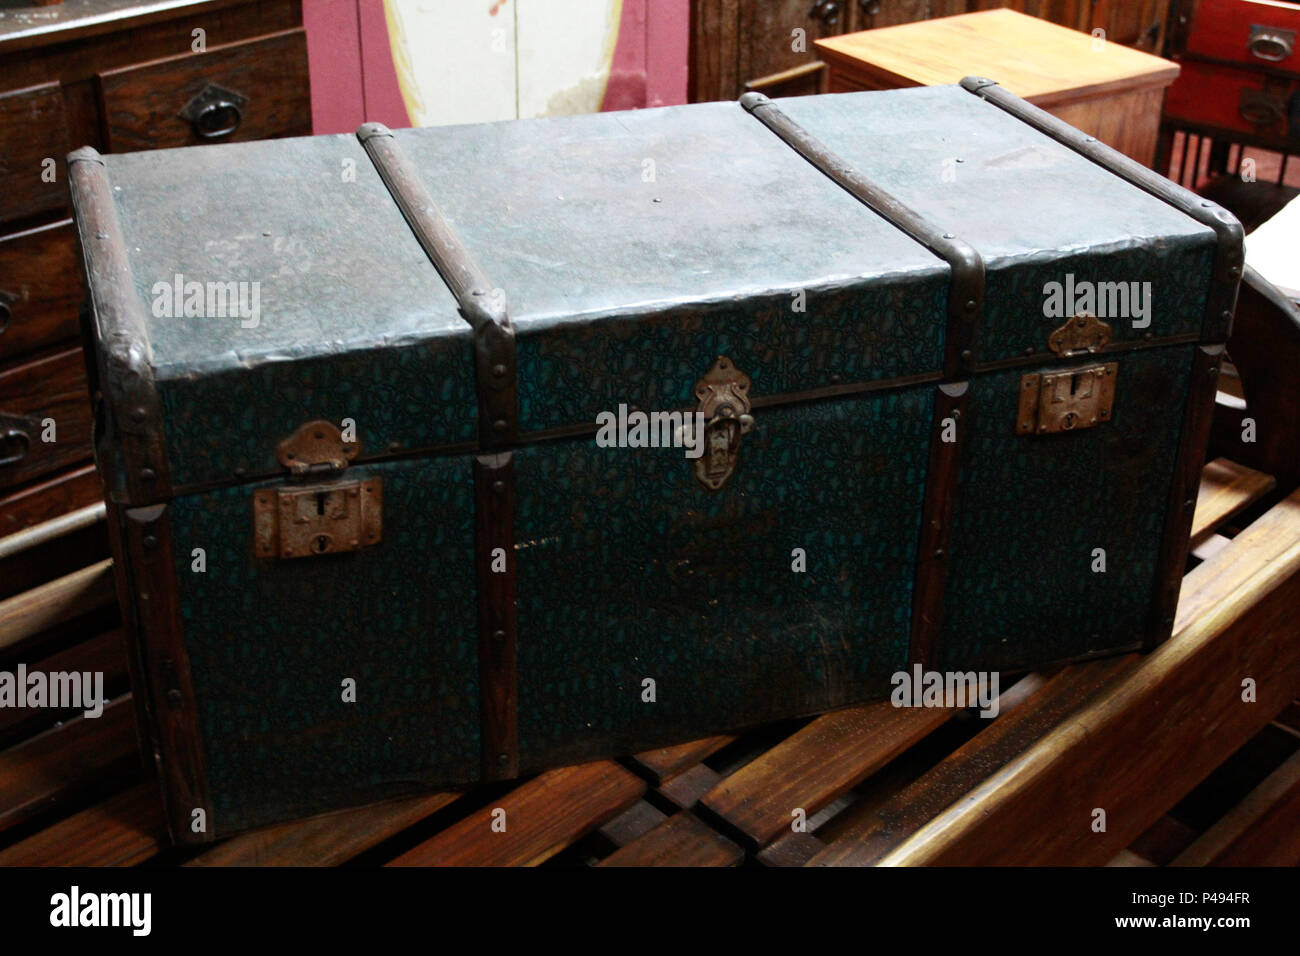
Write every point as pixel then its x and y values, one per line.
pixel 1237 99
pixel 1251 32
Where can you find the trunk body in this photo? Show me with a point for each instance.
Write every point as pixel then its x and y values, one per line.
pixel 372 527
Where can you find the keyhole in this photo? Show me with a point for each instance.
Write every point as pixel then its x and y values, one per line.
pixel 1069 420
pixel 320 544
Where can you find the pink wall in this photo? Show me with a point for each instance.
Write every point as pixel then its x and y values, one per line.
pixel 334 61
pixel 353 80
pixel 667 45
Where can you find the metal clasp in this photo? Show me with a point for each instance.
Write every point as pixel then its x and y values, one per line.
pixel 1083 333
pixel 1066 401
pixel 723 395
pixel 295 521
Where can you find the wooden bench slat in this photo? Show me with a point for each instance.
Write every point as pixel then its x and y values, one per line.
pixel 797 848
pixel 31 612
pixel 686 789
pixel 1128 858
pixel 13 545
pixel 48 769
pixel 864 840
pixel 1262 830
pixel 543 816
pixel 1227 489
pixel 1143 743
pixel 681 840
pixel 104 653
pixel 124 830
pixel 790 849
pixel 634 822
pixel 667 762
pixel 1274 839
pixel 1163 840
pixel 328 840
pixel 816 764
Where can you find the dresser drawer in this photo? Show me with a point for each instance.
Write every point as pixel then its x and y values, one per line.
pixel 33 132
pixel 1236 98
pixel 251 90
pixel 32 394
pixel 47 499
pixel 40 289
pixel 1260 33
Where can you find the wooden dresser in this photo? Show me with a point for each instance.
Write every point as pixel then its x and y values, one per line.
pixel 120 75
pixel 1100 87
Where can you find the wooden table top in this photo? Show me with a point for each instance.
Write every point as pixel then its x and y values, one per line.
pixel 1040 61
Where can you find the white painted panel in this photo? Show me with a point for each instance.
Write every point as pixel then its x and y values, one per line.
pixel 565 48
pixel 455 59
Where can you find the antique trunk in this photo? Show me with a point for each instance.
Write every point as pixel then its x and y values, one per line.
pixel 445 455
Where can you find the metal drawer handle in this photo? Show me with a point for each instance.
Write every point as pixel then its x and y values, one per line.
pixel 7 300
pixel 217 119
pixel 1271 43
pixel 1260 108
pixel 215 112
pixel 827 11
pixel 14 445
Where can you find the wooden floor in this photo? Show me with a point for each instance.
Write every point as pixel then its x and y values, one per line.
pixel 1186 771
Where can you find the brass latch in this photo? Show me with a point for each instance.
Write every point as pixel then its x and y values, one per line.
pixel 295 521
pixel 724 408
pixel 1066 401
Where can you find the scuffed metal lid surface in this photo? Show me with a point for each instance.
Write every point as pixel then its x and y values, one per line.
pixel 1007 189
pixel 637 210
pixel 307 219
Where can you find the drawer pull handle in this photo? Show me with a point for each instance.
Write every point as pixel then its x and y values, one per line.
pixel 14 444
pixel 1270 43
pixel 215 112
pixel 1260 108
pixel 827 11
pixel 7 300
pixel 217 119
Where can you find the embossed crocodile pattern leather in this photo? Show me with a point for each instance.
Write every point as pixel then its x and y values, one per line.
pixel 573 372
pixel 271 641
pixel 1031 509
pixel 628 569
